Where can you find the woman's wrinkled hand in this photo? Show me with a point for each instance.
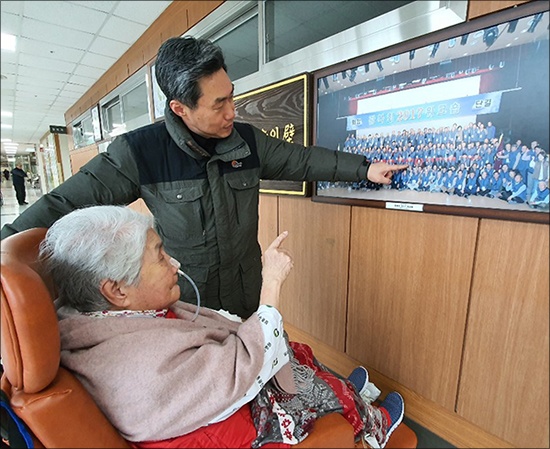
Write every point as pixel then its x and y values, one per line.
pixel 277 263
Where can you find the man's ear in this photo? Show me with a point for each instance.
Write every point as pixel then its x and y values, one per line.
pixel 178 108
pixel 115 293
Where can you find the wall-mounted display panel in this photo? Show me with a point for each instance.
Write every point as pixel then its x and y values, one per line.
pixel 96 122
pixel 159 99
pixel 465 107
pixel 83 130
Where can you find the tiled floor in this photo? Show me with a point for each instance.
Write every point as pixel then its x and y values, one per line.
pixel 10 208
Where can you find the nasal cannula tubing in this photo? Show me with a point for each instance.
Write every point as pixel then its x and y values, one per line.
pixel 175 263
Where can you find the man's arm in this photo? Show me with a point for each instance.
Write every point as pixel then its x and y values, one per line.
pixel 293 162
pixel 109 178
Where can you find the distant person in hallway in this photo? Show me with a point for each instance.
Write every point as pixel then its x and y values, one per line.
pixel 18 176
pixel 207 381
pixel 6 174
pixel 198 172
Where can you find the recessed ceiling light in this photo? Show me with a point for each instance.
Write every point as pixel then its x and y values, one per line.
pixel 8 42
pixel 6 126
pixel 7 114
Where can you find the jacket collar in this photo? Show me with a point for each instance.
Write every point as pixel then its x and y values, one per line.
pixel 230 148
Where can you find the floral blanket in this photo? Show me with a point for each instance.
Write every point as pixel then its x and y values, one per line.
pixel 280 417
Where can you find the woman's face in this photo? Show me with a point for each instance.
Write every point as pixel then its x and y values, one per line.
pixel 157 287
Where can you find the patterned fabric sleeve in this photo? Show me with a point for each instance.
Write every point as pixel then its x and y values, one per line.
pixel 275 356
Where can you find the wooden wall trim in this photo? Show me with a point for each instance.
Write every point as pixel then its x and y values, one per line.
pixel 449 426
pixel 481 8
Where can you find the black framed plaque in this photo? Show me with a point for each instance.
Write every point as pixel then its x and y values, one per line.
pixel 280 110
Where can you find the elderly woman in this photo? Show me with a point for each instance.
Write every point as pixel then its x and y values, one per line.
pixel 171 374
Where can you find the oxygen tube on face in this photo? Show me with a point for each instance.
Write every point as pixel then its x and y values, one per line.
pixel 176 264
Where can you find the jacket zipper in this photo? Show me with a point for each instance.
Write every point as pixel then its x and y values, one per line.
pixel 203 221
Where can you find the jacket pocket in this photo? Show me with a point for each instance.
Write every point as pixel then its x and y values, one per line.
pixel 180 215
pixel 200 277
pixel 245 191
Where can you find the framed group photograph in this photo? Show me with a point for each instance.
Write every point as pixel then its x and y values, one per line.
pixel 465 108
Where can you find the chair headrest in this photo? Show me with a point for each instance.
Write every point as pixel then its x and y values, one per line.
pixel 30 343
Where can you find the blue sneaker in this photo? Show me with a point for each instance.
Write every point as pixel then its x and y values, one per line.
pixel 394 407
pixel 359 377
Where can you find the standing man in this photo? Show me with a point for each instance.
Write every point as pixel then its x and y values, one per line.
pixel 198 172
pixel 18 176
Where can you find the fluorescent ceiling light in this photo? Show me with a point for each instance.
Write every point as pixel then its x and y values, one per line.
pixel 5 125
pixel 8 42
pixel 7 114
pixel 5 140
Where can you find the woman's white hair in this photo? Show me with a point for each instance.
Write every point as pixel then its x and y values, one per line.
pixel 93 244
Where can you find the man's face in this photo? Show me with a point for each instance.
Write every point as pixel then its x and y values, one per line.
pixel 215 111
pixel 157 287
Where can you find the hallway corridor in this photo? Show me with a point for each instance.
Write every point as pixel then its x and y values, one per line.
pixel 10 208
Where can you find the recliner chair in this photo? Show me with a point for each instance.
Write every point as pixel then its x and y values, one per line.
pixel 50 400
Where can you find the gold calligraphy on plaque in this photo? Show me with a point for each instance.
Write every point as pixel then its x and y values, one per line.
pixel 287 133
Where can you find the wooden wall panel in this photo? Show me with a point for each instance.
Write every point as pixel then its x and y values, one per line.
pixel 480 8
pixel 82 156
pixel 408 296
pixel 314 294
pixel 268 220
pixel 444 423
pixel 504 384
pixel 140 206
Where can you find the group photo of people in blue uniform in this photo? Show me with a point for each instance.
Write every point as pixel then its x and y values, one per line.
pixel 464 161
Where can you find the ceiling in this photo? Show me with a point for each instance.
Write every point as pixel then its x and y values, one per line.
pixel 62 49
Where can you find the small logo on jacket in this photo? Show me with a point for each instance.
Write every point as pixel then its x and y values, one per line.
pixel 236 164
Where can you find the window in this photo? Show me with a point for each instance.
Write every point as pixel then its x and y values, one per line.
pixel 127 107
pixel 287 26
pixel 135 106
pixel 291 25
pixel 112 116
pixel 239 42
pixel 83 131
